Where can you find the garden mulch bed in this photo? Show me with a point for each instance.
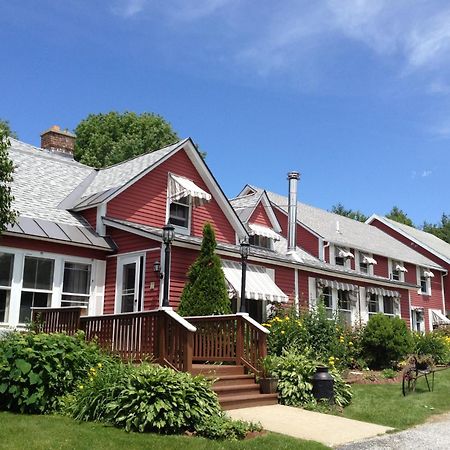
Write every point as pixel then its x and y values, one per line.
pixel 370 377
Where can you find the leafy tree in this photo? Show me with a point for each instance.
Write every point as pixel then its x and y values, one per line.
pixel 205 292
pixel 441 230
pixel 342 211
pixel 399 216
pixel 105 139
pixel 4 125
pixel 7 215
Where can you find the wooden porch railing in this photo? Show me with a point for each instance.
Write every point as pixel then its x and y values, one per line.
pixel 159 334
pixel 234 338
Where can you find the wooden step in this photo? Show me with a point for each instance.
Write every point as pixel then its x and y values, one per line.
pixel 231 380
pixel 217 369
pixel 237 389
pixel 247 401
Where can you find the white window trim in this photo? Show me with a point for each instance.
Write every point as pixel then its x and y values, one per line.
pixel 58 275
pixel 359 256
pixel 335 251
pixel 178 229
pixel 419 271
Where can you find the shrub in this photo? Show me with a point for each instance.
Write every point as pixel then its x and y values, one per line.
pixel 295 370
pixel 222 428
pixel 433 344
pixel 385 341
pixel 389 373
pixel 145 398
pixel 206 290
pixel 37 369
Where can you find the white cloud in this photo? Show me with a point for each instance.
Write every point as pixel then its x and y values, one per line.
pixel 129 8
pixel 426 173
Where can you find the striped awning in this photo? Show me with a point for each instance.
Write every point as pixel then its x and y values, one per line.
pixel 181 187
pixel 258 286
pixel 261 230
pixel 343 253
pixel 369 260
pixel 383 292
pixel 439 318
pixel 428 274
pixel 401 268
pixel 336 285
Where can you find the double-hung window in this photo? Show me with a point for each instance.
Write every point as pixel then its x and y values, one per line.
pixel 372 304
pixel 76 284
pixel 37 285
pixel 343 304
pixel 180 212
pixel 425 276
pixel 261 241
pixel 388 305
pixel 327 295
pixel 398 271
pixel 6 270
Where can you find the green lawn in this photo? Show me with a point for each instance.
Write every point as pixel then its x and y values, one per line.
pixel 385 404
pixel 56 432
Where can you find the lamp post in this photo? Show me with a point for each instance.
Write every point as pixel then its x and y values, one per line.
pixel 245 250
pixel 168 235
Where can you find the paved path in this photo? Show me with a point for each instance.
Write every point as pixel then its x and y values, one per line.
pixel 434 435
pixel 327 429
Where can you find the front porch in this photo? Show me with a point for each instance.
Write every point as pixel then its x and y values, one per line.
pixel 227 348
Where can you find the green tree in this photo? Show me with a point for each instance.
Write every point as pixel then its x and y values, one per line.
pixel 205 292
pixel 106 139
pixel 7 215
pixel 4 125
pixel 399 216
pixel 441 230
pixel 342 211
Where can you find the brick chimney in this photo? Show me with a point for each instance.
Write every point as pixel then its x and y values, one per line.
pixel 57 140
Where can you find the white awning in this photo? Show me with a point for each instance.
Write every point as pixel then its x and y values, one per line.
pixel 401 268
pixel 428 274
pixel 345 253
pixel 336 285
pixel 369 260
pixel 258 286
pixel 383 292
pixel 261 230
pixel 181 187
pixel 439 318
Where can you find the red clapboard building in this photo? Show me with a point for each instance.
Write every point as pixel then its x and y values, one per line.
pixel 94 238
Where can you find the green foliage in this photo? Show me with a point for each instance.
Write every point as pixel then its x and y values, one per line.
pixel 441 230
pixel 221 428
pixel 205 292
pixel 385 341
pixel 328 339
pixel 433 344
pixel 342 211
pixel 5 129
pixel 7 215
pixel 389 373
pixel 36 369
pixel 399 216
pixel 106 139
pixel 145 398
pixel 294 371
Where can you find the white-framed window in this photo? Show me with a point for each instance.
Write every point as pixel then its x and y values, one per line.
pixel 364 262
pixel 344 306
pixel 397 270
pixel 6 271
pixel 342 257
pixel 388 305
pixel 337 302
pixel 180 214
pixel 327 295
pixel 37 285
pixel 261 241
pixel 424 276
pixel 373 304
pixel 76 284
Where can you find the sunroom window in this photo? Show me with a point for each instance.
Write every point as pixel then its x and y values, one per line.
pixel 37 285
pixel 6 268
pixel 76 284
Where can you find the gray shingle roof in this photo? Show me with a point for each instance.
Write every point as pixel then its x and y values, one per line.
pixel 351 233
pixel 430 240
pixel 111 179
pixel 42 180
pixel 245 205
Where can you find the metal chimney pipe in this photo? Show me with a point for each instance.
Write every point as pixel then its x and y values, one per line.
pixel 293 178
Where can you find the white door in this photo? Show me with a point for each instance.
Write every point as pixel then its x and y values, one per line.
pixel 129 283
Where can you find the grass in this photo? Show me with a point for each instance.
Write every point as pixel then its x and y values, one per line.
pixel 385 405
pixel 57 432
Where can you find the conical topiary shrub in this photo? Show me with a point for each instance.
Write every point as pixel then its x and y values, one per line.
pixel 205 292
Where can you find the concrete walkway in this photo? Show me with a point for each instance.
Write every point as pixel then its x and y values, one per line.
pixel 299 423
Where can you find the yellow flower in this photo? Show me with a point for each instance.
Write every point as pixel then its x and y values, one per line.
pixel 286 318
pixel 268 325
pixel 331 358
pixel 99 365
pixel 282 331
pixel 350 343
pixel 91 379
pixel 80 386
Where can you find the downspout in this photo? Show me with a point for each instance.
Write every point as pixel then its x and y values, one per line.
pixel 296 299
pixel 323 250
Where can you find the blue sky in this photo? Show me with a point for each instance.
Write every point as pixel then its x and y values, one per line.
pixel 353 94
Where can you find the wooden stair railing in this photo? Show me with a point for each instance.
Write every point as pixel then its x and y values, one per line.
pixel 229 338
pixel 161 334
